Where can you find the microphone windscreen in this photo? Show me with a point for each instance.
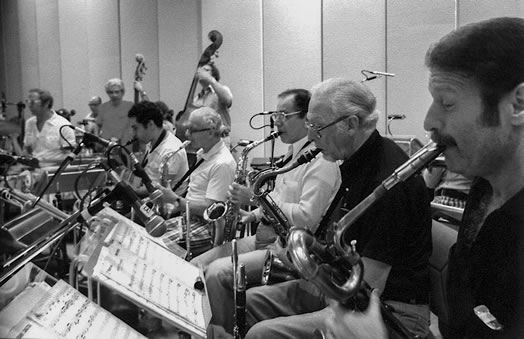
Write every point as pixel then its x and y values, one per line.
pixel 156 226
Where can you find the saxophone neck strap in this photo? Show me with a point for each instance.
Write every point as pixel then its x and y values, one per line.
pixel 187 174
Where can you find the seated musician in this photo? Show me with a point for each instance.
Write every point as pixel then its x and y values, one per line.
pixel 302 194
pixel 209 181
pixel 478 114
pixel 393 236
pixel 42 137
pixel 161 165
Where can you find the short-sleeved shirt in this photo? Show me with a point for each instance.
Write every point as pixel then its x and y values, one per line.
pixel 114 121
pixel 48 144
pixel 486 267
pixel 176 166
pixel 396 229
pixel 211 179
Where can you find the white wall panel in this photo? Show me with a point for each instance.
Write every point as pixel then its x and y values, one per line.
pixel 75 60
pixel 353 39
pixel 30 72
pixel 292 49
pixel 103 45
pixel 179 37
pixel 10 77
pixel 477 10
pixel 240 60
pixel 48 41
pixel 139 34
pixel 412 26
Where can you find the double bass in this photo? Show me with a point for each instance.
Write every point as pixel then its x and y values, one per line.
pixel 205 58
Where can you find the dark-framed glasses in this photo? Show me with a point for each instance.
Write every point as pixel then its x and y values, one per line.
pixel 32 101
pixel 280 115
pixel 190 130
pixel 317 130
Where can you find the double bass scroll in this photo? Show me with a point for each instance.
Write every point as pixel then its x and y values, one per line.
pixel 140 71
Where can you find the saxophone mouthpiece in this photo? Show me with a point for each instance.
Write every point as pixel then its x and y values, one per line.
pixel 272 136
pixel 308 156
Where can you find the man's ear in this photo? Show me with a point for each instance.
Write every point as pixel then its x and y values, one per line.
pixel 352 123
pixel 517 117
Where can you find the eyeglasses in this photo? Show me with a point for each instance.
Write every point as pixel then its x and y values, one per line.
pixel 191 131
pixel 31 101
pixel 93 104
pixel 317 130
pixel 114 92
pixel 280 115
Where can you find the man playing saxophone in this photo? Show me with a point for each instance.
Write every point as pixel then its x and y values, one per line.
pixel 477 113
pixel 393 237
pixel 302 194
pixel 146 121
pixel 209 181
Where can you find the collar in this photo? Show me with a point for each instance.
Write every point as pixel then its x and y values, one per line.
pixel 159 140
pixel 214 150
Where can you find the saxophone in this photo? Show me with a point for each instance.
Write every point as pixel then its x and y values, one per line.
pixel 335 267
pixel 228 212
pixel 274 269
pixel 159 206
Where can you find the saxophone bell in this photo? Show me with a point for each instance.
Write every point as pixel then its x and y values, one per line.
pixel 215 211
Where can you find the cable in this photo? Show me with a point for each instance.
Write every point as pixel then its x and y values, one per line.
pixel 62 135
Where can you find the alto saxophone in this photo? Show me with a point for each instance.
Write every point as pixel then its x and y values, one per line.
pixel 228 212
pixel 274 269
pixel 336 268
pixel 159 206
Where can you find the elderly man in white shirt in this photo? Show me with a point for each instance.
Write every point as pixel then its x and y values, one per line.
pixel 303 194
pixel 42 137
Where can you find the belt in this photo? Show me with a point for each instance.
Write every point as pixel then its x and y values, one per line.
pixel 448 192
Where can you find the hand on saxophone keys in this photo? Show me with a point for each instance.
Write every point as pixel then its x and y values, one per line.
pixel 346 323
pixel 240 194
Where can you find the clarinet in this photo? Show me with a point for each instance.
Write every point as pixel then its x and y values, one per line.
pixel 239 330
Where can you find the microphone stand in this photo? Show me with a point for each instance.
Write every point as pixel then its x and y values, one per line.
pixel 68 160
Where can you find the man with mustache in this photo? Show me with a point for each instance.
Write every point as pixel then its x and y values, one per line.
pixel 477 84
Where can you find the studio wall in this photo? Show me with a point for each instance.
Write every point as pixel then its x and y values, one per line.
pixel 72 47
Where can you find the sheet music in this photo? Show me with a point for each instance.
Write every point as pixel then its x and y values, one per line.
pixel 65 313
pixel 163 290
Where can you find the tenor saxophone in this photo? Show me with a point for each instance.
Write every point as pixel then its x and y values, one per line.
pixel 274 269
pixel 228 212
pixel 336 267
pixel 275 215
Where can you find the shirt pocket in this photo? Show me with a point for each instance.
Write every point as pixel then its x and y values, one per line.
pixel 291 191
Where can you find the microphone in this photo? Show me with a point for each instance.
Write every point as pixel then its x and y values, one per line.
pixel 375 75
pixel 140 172
pixel 267 113
pixel 381 73
pixel 91 137
pixel 396 117
pixel 24 160
pixel 244 142
pixel 154 224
